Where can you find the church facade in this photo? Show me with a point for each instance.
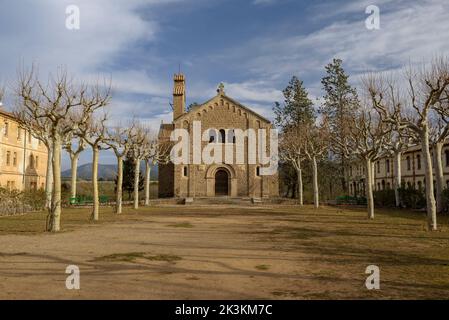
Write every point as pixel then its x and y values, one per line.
pixel 227 178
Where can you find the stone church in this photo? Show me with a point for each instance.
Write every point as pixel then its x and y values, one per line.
pixel 217 179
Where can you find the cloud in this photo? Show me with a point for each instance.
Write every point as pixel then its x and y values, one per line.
pixel 412 32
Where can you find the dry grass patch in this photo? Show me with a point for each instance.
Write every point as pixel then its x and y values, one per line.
pixel 134 256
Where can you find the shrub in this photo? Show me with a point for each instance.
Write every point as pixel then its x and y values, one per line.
pixel 445 199
pixel 17 202
pixel 384 198
pixel 412 198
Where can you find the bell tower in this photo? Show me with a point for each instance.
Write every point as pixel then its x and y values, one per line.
pixel 179 95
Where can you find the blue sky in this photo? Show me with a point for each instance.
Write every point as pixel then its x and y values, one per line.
pixel 253 46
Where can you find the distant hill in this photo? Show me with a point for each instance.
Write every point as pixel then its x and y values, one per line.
pixel 105 172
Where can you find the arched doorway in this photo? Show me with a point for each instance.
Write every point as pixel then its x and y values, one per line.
pixel 221 183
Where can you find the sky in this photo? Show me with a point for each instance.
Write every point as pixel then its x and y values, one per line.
pixel 253 46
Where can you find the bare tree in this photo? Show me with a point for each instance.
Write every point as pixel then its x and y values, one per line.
pixel 120 139
pixel 425 90
pixel 93 131
pixel 367 141
pixel 291 151
pixel 399 142
pixel 74 156
pixel 140 146
pixel 315 140
pixel 52 101
pixel 439 132
pixel 157 152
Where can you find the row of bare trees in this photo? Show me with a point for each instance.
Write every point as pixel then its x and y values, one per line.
pixel 71 116
pixel 394 113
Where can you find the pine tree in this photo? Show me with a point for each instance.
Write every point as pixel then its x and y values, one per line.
pixel 340 103
pixel 297 108
pixel 294 117
pixel 128 178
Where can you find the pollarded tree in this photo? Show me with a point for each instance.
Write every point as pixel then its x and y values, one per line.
pixel 139 147
pixel 367 140
pixel 425 90
pixel 439 133
pixel 120 140
pixel 156 153
pixel 315 145
pixel 74 153
pixel 291 151
pixel 93 131
pixel 53 101
pixel 399 142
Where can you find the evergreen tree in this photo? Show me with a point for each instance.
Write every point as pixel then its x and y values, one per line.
pixel 340 103
pixel 297 108
pixel 128 178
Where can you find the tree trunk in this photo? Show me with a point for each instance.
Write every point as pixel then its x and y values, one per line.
pixel 96 200
pixel 136 183
pixel 74 163
pixel 300 186
pixel 431 207
pixel 49 178
pixel 439 175
pixel 119 191
pixel 54 218
pixel 397 177
pixel 369 189
pixel 147 182
pixel 316 199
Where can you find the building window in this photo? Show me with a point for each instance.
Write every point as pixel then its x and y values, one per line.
pixel 231 136
pixel 14 159
pixel 388 186
pixel 418 161
pixel 184 171
pixel 257 171
pixel 419 185
pixel 222 136
pixel 378 186
pixel 37 162
pixel 387 164
pixel 350 171
pixel 31 162
pixel 409 164
pixel 212 135
pixel 19 134
pixel 6 128
pixel 8 158
pixel 29 137
pixel 383 184
pixel 378 166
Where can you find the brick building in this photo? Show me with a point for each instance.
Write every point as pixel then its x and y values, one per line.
pixel 225 115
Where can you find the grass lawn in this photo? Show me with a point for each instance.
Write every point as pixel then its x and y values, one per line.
pixel 188 252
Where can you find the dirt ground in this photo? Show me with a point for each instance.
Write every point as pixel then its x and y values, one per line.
pixel 225 252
